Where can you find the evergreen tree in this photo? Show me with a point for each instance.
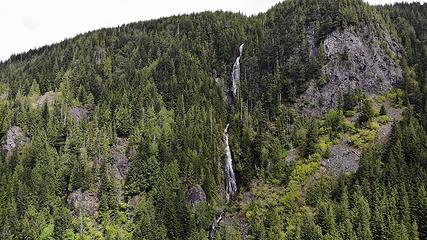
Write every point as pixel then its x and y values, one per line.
pixel 383 111
pixel 148 226
pixel 61 220
pixel 367 112
pixel 311 139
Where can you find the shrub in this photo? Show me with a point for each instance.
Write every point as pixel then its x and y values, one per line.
pixel 383 119
pixel 350 113
pixel 383 111
pixel 367 112
pixel 283 153
pixel 301 172
pixel 316 157
pixel 363 138
pixel 372 125
pixel 323 146
pixel 349 126
pixel 334 123
pixel 396 96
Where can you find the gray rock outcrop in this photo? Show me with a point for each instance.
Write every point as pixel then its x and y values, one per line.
pixel 15 138
pixel 360 60
pixel 196 194
pixel 292 155
pixel 48 97
pixel 78 113
pixel 343 159
pixel 395 115
pixel 99 55
pixel 83 202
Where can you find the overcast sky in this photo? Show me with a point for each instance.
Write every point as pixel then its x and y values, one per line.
pixel 26 24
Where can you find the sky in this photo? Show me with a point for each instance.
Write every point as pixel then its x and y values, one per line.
pixel 28 24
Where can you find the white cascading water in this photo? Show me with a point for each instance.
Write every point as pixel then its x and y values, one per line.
pixel 215 225
pixel 235 74
pixel 230 178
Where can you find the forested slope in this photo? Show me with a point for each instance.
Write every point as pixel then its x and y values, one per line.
pixel 119 133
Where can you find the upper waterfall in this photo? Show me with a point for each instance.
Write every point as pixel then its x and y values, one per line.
pixel 235 75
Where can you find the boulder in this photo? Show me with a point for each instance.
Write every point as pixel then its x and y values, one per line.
pixel 196 194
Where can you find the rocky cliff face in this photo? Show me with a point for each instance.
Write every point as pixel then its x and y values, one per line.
pixel 15 138
pixel 357 59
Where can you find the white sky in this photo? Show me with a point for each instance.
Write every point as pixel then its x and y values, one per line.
pixel 26 24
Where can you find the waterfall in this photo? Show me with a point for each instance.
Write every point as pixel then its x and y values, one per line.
pixel 235 74
pixel 230 178
pixel 215 225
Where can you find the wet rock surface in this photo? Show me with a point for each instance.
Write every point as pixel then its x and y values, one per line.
pixel 311 38
pixel 230 178
pixel 83 202
pixel 354 60
pixel 15 138
pixel 235 78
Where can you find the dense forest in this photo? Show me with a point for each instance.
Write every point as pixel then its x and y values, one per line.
pixel 307 121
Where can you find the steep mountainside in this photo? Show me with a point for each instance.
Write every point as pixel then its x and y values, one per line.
pixel 222 126
pixel 356 61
